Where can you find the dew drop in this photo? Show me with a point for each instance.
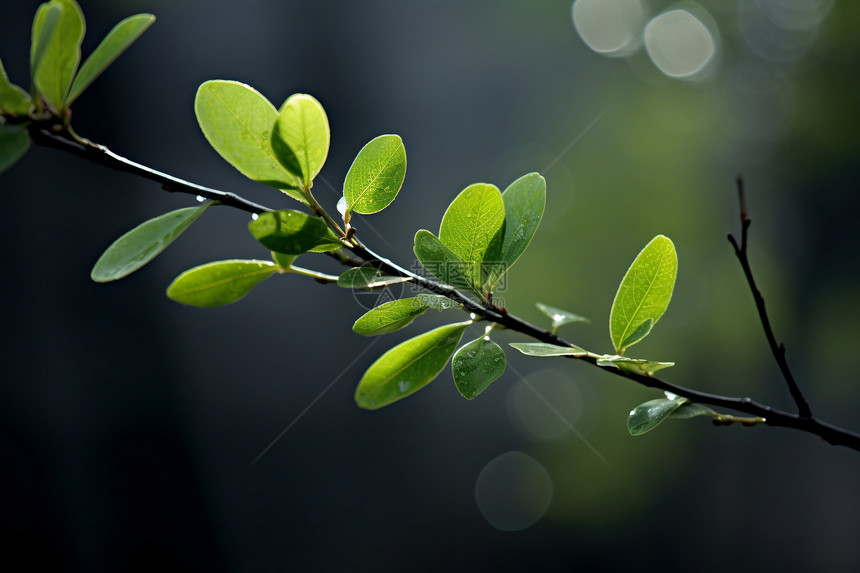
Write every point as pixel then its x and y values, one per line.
pixel 201 198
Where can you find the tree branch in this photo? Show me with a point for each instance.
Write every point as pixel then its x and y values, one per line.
pixel 778 350
pixel 803 422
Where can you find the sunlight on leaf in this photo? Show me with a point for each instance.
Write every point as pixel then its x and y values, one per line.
pixel 633 365
pixel 558 316
pixel 219 283
pixel 645 417
pixel 376 175
pixel 293 232
pixel 476 365
pixel 300 138
pixel 441 262
pixel 544 349
pixel 389 317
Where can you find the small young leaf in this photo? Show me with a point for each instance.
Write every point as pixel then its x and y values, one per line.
pixel 633 365
pixel 389 316
pixel 376 175
pixel 282 260
pixel 645 417
pixel 691 410
pixel 115 43
pixel 644 293
pixel 471 224
pixel 219 283
pixel 544 349
pixel 408 367
pixel 293 233
pixel 56 54
pixel 366 278
pixel 476 365
pixel 437 301
pixel 237 121
pixel 559 317
pixel 143 243
pixel 300 138
pixel 524 201
pixel 13 100
pixel 441 262
pixel 14 143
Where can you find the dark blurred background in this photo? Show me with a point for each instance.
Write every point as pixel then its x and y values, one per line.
pixel 131 424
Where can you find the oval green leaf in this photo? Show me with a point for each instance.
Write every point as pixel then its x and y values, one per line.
pixel 633 365
pixel 376 175
pixel 56 50
pixel 143 243
pixel 389 316
pixel 408 367
pixel 644 293
pixel 14 143
pixel 545 349
pixel 293 233
pixel 645 417
pixel 692 410
pixel 237 121
pixel 441 262
pixel 524 202
pixel 219 283
pixel 366 278
pixel 13 99
pixel 476 365
pixel 471 224
pixel 115 43
pixel 300 138
pixel 558 316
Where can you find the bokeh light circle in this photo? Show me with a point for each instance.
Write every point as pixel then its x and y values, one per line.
pixel 679 44
pixel 513 491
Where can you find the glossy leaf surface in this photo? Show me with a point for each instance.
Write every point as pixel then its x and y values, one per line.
pixel 408 367
pixel 13 99
pixel 558 316
pixel 293 232
pixel 691 410
pixel 143 243
pixel 376 175
pixel 14 143
pixel 633 365
pixel 282 260
pixel 237 121
pixel 57 53
pixel 524 201
pixel 389 316
pixel 645 417
pixel 544 349
pixel 644 293
pixel 115 43
pixel 441 262
pixel 437 301
pixel 300 138
pixel 219 283
pixel 471 224
pixel 476 365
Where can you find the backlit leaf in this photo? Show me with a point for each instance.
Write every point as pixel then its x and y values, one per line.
pixel 408 367
pixel 545 349
pixel 56 53
pixel 143 243
pixel 14 143
pixel 282 260
pixel 293 232
pixel 389 316
pixel 219 283
pixel 633 365
pixel 644 293
pixel 366 277
pixel 692 410
pixel 115 43
pixel 238 121
pixel 441 262
pixel 437 301
pixel 470 226
pixel 524 202
pixel 376 175
pixel 559 317
pixel 13 100
pixel 476 365
pixel 300 138
pixel 645 417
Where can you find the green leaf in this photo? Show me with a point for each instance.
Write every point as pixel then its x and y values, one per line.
pixel 143 243
pixel 408 367
pixel 476 365
pixel 115 43
pixel 471 224
pixel 437 301
pixel 559 317
pixel 645 417
pixel 219 283
pixel 544 349
pixel 644 293
pixel 282 260
pixel 524 202
pixel 389 316
pixel 300 138
pixel 692 410
pixel 13 100
pixel 237 121
pixel 56 50
pixel 293 233
pixel 441 262
pixel 376 175
pixel 14 143
pixel 633 365
pixel 366 277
